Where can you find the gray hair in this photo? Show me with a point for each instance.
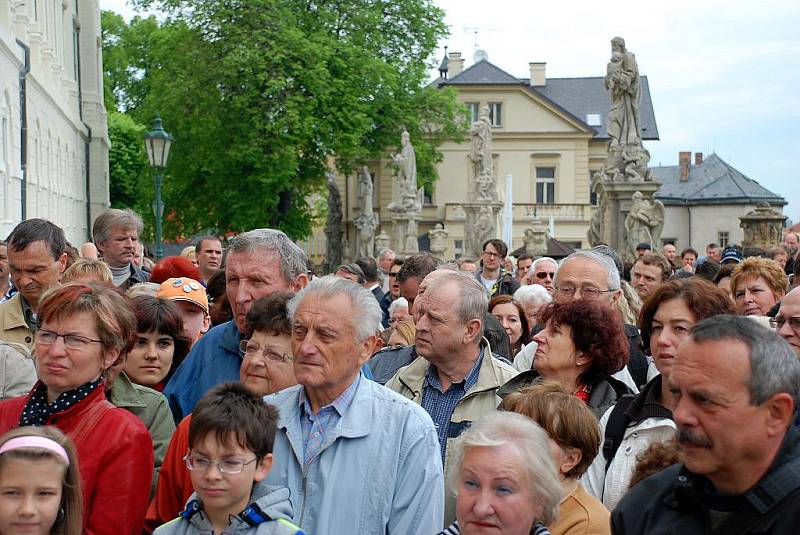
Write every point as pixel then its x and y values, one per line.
pixel 499 428
pixel 532 295
pixel 366 314
pixel 472 303
pixel 600 259
pixel 115 218
pixel 384 252
pixel 400 302
pixel 532 270
pixel 774 367
pixel 292 259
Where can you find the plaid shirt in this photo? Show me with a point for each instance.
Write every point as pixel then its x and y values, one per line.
pixel 315 426
pixel 440 404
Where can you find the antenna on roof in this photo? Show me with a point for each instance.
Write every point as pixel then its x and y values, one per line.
pixel 476 49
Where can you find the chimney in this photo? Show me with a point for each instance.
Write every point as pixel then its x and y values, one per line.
pixel 537 73
pixel 455 65
pixel 698 158
pixel 684 158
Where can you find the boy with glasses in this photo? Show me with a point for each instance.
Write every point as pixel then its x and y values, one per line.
pixel 230 452
pixel 492 276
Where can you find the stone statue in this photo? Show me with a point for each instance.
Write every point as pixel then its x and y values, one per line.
pixel 763 227
pixel 438 240
pixel 484 225
pixel 643 224
pixel 333 226
pixel 622 81
pixel 367 220
pixel 406 163
pixel 481 153
pixel 536 240
pixel 411 245
pixel 382 241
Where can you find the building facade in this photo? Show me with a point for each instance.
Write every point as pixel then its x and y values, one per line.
pixel 704 199
pixel 548 134
pixel 53 131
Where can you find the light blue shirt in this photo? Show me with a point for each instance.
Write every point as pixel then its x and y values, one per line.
pixel 316 426
pixel 378 471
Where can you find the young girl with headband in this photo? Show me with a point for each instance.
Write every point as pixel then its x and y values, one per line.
pixel 39 483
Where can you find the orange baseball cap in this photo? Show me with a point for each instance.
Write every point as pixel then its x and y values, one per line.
pixel 184 289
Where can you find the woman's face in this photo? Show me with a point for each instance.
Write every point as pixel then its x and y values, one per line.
pixel 670 327
pixel 508 316
pixel 151 358
pixel 267 374
pixel 754 297
pixel 556 354
pixel 63 368
pixel 494 493
pixel 396 340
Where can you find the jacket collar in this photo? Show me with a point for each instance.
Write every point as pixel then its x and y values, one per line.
pixel 231 337
pixel 13 316
pixel 123 394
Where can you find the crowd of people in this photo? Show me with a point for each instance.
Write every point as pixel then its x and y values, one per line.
pixel 232 390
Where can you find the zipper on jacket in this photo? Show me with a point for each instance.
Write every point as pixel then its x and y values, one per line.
pixel 305 498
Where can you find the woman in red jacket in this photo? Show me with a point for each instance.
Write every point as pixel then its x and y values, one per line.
pixel 84 328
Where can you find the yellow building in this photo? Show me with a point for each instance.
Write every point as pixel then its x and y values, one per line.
pixel 548 134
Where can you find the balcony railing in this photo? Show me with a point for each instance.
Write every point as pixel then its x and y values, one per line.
pixel 529 212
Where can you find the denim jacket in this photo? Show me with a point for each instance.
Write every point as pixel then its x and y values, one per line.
pixel 380 471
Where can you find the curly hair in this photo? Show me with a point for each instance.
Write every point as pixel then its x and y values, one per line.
pixel 657 456
pixel 597 332
pixel 702 298
pixel 754 267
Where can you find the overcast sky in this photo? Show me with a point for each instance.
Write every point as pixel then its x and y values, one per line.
pixel 724 76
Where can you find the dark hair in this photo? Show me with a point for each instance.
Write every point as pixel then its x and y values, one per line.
pixel 174 267
pixel 707 269
pixel 232 412
pixel 216 285
pixel 726 270
pixel 215 290
pixel 499 245
pixel 712 245
pixel 33 230
pixel 652 259
pixel 523 320
pixel 657 457
pixel 270 314
pixel 689 250
pixel 524 256
pixel 397 262
pixel 199 246
pixel 162 316
pixel 701 297
pixel 497 337
pixel 597 332
pixel 418 266
pixel 353 269
pixel 369 267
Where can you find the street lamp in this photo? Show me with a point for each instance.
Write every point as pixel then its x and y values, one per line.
pixel 157 142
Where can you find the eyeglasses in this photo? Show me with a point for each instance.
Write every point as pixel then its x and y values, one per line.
pixel 586 293
pixel 545 274
pixel 248 348
pixel 491 255
pixel 778 323
pixel 71 341
pixel 225 466
pixel 393 274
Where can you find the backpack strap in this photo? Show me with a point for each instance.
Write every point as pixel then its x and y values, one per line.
pixel 615 428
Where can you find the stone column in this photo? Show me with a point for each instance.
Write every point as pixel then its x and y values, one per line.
pixel 762 227
pixel 616 201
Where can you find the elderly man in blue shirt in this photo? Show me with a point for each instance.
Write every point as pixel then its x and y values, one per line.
pixel 357 457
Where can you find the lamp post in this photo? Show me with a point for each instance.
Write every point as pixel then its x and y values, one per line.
pixel 157 142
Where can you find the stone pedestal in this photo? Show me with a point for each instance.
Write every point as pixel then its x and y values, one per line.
pixel 405 234
pixel 616 199
pixel 480 224
pixel 382 241
pixel 762 227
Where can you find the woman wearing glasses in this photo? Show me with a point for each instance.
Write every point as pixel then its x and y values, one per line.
pixel 267 367
pixel 581 345
pixel 85 328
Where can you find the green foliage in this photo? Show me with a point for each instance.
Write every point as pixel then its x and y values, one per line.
pixel 263 96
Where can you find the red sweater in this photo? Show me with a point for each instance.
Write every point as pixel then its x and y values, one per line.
pixel 115 459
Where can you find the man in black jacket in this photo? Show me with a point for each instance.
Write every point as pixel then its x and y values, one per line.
pixel 736 387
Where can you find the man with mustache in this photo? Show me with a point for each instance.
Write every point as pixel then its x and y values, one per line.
pixel 736 386
pixel 116 235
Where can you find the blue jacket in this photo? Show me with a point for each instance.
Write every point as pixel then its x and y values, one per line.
pixel 214 359
pixel 380 471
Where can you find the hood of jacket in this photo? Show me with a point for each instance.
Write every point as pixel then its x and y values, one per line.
pixel 272 501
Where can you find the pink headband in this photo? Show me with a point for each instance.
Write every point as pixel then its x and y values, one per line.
pixel 35 442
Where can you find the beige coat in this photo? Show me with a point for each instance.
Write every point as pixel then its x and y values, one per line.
pixel 12 323
pixel 478 400
pixel 17 373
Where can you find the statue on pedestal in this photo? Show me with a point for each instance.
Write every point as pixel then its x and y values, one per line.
pixel 622 80
pixel 484 188
pixel 406 164
pixel 644 223
pixel 367 220
pixel 382 241
pixel 536 240
pixel 438 240
pixel 333 226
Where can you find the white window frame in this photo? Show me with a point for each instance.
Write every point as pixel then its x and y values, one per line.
pixel 496 114
pixel 723 238
pixel 548 185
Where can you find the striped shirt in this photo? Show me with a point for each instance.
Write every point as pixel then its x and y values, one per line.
pixel 452 529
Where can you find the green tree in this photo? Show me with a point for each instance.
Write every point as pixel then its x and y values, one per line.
pixel 263 96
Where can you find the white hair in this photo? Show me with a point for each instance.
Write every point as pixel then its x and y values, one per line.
pixel 532 295
pixel 500 428
pixel 602 260
pixel 532 270
pixel 365 314
pixel 400 302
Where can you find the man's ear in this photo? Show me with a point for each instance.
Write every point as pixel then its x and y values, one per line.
pixel 206 324
pixel 780 413
pixel 367 348
pixel 473 329
pixel 263 467
pixel 299 282
pixel 62 263
pixel 615 296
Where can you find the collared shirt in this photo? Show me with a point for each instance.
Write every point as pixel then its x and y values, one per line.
pixel 440 404
pixel 31 319
pixel 315 426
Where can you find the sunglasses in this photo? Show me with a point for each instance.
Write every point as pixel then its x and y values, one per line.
pixel 545 274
